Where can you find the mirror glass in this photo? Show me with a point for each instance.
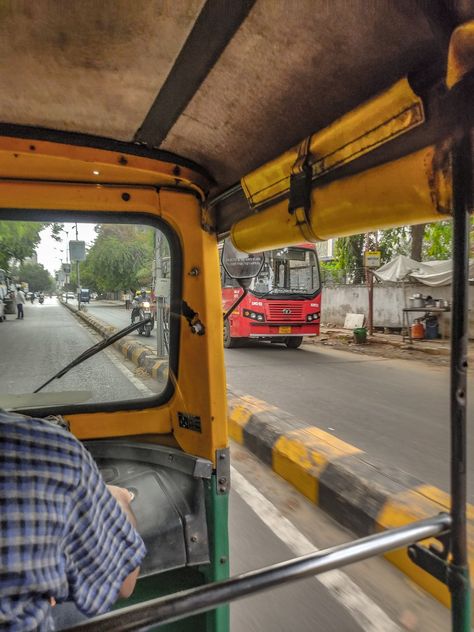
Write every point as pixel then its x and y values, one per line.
pixel 241 265
pixel 58 299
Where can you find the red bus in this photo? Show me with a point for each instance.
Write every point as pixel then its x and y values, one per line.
pixel 283 303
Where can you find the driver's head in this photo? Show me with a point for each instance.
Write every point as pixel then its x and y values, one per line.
pixel 143 293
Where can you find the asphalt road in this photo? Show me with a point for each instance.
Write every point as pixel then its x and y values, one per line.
pixel 49 337
pixel 371 596
pixel 395 410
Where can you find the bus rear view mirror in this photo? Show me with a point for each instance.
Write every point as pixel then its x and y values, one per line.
pixel 241 265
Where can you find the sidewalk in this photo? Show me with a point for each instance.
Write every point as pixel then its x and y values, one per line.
pixel 388 345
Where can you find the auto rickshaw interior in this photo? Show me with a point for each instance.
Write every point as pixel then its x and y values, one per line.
pixel 244 119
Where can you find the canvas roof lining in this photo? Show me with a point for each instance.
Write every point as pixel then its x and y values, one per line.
pixel 273 84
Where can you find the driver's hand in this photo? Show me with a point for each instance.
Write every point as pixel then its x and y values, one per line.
pixel 121 495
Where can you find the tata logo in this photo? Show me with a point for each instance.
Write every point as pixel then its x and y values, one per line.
pixel 286 311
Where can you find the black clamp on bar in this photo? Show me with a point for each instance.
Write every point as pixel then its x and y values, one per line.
pixel 432 559
pixel 300 179
pixel 299 203
pixel 300 189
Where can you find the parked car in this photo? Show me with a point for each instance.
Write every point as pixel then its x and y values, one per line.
pixel 70 296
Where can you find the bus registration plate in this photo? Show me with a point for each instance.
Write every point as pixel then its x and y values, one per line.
pixel 284 330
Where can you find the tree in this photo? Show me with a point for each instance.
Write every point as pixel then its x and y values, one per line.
pixel 37 277
pixel 349 256
pixel 18 240
pixel 438 240
pixel 417 234
pixel 393 242
pixel 120 258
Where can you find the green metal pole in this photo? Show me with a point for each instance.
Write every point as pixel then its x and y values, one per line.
pixel 217 521
pixel 459 582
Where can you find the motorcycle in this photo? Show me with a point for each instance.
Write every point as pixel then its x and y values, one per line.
pixel 143 312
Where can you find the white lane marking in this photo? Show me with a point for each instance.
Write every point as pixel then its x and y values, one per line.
pixel 367 613
pixel 138 384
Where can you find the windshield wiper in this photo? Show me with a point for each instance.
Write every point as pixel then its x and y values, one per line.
pixel 286 295
pixel 88 353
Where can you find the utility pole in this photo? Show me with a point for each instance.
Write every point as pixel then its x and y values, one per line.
pixel 160 325
pixel 78 277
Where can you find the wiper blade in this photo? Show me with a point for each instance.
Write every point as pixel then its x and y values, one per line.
pixel 285 295
pixel 88 353
pixel 266 293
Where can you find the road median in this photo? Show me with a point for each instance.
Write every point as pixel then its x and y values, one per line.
pixel 358 491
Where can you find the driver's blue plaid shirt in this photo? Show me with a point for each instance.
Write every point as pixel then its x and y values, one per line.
pixel 62 534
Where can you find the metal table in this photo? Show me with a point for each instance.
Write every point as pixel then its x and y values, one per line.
pixel 424 310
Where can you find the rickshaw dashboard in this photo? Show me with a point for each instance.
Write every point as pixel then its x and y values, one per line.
pixel 169 499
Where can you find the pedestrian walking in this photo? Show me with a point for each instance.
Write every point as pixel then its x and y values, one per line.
pixel 20 301
pixel 128 300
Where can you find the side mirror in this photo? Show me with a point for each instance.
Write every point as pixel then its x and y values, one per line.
pixel 241 265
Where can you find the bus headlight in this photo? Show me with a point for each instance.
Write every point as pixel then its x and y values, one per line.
pixel 311 317
pixel 254 315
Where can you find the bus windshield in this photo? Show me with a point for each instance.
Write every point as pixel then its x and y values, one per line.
pixel 293 271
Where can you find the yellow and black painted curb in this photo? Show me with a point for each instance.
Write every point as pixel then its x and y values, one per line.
pixel 358 491
pixel 140 355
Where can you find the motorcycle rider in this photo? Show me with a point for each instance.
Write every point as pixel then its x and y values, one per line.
pixel 140 297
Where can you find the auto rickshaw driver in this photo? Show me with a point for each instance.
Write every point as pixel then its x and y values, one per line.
pixel 97 529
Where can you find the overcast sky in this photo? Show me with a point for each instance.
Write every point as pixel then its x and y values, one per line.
pixel 51 252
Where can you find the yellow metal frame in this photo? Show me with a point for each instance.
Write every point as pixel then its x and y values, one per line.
pixel 378 121
pixel 412 190
pixel 200 387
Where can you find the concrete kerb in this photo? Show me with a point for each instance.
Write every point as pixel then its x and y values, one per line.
pixel 140 355
pixel 359 492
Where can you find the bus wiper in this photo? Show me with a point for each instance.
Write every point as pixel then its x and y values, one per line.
pixel 88 353
pixel 284 294
pixel 267 293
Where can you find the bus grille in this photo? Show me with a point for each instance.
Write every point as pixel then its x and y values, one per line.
pixel 277 311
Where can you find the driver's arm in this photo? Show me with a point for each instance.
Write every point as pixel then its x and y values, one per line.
pixel 103 548
pixel 124 498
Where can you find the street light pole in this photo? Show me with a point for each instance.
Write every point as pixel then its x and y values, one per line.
pixel 78 277
pixel 159 299
pixel 66 276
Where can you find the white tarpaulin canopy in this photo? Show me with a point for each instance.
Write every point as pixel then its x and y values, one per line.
pixel 433 273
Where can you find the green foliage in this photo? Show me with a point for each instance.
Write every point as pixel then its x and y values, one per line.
pixel 393 242
pixel 18 240
pixel 436 244
pixel 438 238
pixel 37 277
pixel 349 256
pixel 120 259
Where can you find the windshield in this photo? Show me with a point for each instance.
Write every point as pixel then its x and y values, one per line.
pixel 74 286
pixel 288 271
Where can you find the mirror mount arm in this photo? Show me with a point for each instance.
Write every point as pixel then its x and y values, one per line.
pixel 244 284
